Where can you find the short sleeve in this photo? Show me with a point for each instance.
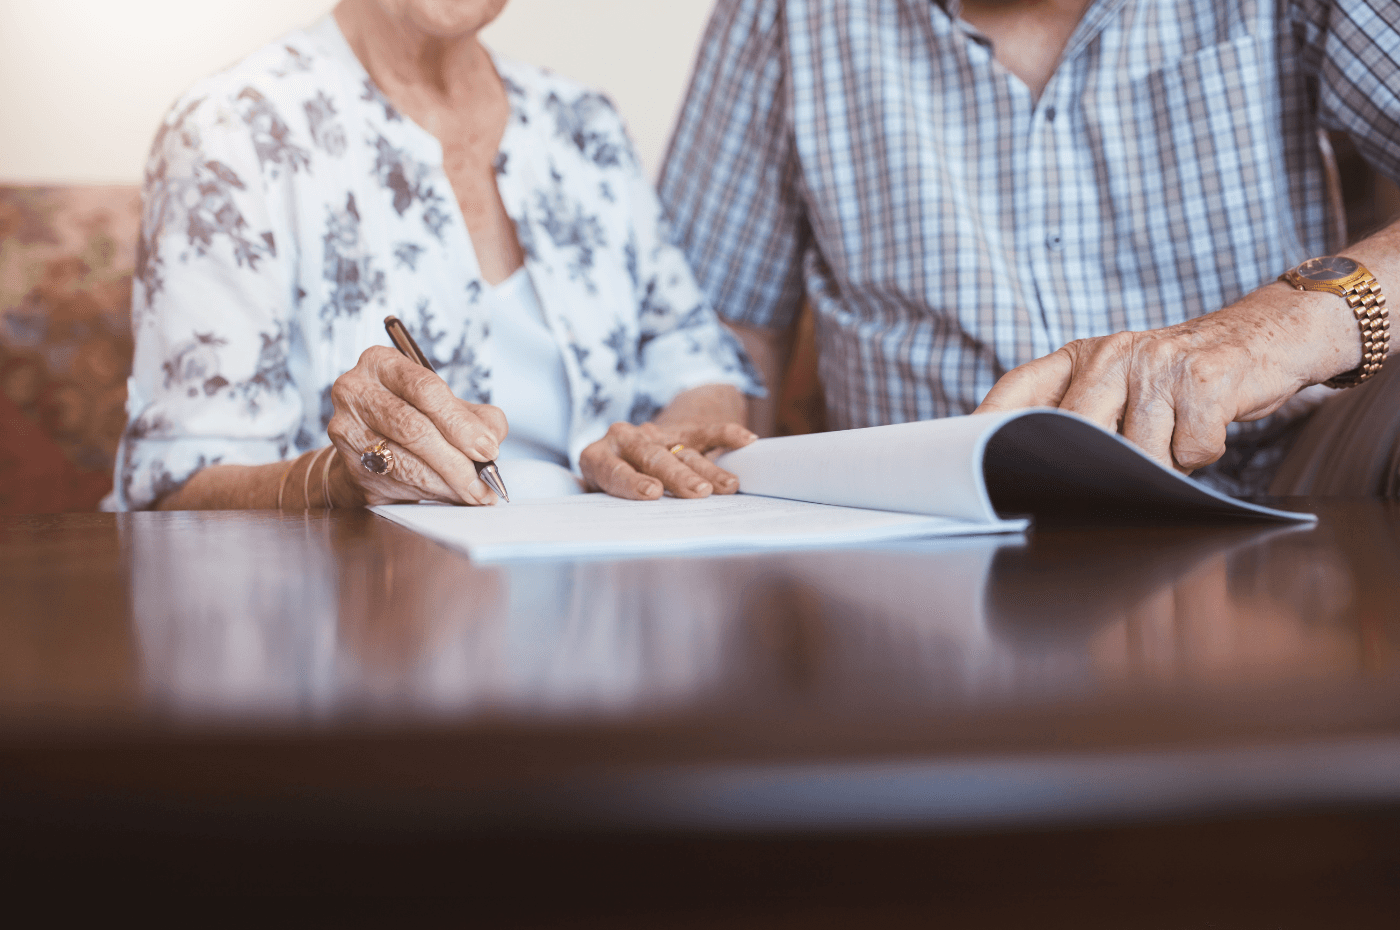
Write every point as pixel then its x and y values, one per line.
pixel 212 300
pixel 730 181
pixel 1353 48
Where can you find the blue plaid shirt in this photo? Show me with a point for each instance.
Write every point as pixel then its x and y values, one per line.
pixel 872 156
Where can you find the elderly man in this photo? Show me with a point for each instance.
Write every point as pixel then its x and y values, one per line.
pixel 1078 203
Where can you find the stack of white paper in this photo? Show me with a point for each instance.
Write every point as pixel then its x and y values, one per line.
pixel 599 525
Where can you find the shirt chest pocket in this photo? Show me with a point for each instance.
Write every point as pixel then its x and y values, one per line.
pixel 1202 163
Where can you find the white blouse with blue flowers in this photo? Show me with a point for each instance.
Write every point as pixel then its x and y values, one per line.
pixel 288 207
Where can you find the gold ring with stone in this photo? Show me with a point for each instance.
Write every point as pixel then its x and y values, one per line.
pixel 378 458
pixel 676 449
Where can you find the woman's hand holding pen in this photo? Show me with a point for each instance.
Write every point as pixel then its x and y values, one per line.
pixel 434 436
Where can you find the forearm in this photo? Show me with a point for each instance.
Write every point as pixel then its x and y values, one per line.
pixel 227 487
pixel 770 350
pixel 303 483
pixel 710 403
pixel 1327 333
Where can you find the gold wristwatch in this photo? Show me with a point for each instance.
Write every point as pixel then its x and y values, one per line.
pixel 1350 280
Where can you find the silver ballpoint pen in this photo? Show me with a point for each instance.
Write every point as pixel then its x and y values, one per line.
pixel 403 341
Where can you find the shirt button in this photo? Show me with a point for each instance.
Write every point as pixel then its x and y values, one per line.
pixel 1054 243
pixel 1050 114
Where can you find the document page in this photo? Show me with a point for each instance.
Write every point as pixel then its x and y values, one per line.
pixel 596 525
pixel 932 467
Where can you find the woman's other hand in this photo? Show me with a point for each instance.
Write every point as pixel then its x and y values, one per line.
pixel 434 435
pixel 636 462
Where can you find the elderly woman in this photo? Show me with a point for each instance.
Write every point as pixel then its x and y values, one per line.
pixel 384 162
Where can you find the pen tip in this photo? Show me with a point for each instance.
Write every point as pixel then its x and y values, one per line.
pixel 492 476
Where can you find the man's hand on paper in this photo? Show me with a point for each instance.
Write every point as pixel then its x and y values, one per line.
pixel 1173 391
pixel 434 435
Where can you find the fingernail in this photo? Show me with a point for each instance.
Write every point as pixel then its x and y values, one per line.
pixel 480 491
pixel 701 487
pixel 752 436
pixel 646 487
pixel 488 449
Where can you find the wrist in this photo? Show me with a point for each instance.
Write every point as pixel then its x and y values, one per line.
pixel 1317 331
pixel 1347 278
pixel 294 484
pixel 344 491
pixel 283 475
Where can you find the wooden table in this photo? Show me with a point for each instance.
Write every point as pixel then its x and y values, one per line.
pixel 1163 726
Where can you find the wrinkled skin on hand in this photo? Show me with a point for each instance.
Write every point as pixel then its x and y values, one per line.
pixel 434 435
pixel 435 438
pixel 1173 391
pixel 635 462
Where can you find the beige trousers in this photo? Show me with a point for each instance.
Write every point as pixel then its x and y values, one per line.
pixel 1350 445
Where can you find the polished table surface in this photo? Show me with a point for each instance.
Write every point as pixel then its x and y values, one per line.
pixel 1065 687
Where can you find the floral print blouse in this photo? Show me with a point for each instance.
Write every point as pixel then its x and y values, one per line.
pixel 289 207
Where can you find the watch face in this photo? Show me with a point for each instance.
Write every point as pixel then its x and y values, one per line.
pixel 1328 268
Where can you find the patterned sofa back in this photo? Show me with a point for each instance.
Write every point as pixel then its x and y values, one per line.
pixel 66 256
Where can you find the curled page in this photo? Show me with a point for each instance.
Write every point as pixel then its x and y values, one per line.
pixel 1042 462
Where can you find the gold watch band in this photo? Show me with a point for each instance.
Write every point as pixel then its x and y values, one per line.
pixel 1362 293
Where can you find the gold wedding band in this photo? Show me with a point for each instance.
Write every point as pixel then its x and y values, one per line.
pixel 676 449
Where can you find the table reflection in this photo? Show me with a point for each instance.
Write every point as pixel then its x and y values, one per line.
pixel 327 618
pixel 232 614
pixel 1231 606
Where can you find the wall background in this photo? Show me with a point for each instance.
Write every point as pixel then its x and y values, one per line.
pixel 84 83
